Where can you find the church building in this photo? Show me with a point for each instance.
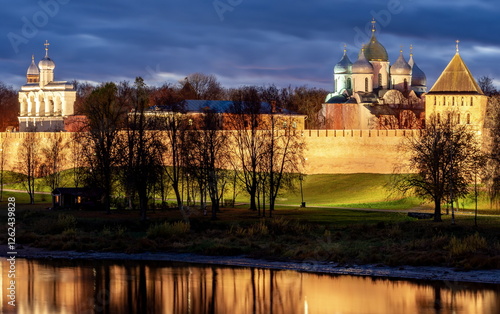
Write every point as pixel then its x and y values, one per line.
pixel 44 103
pixel 372 94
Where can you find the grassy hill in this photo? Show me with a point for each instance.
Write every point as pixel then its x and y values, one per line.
pixel 360 190
pixel 364 190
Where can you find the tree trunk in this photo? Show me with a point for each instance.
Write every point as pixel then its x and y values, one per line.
pixel 437 210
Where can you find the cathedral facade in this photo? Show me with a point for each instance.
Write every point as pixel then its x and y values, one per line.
pixel 372 94
pixel 44 103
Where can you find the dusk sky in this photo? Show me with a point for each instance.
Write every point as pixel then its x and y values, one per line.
pixel 242 42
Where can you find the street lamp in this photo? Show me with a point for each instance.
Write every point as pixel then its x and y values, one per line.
pixel 301 178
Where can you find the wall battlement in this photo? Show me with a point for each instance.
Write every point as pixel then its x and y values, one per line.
pixel 362 133
pixel 327 151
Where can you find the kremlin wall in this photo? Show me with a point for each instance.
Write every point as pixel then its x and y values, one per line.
pixel 327 151
pixel 367 90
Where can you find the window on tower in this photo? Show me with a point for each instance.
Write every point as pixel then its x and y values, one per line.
pixel 366 84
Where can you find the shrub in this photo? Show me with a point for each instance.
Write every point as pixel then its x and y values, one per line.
pixel 469 244
pixel 258 229
pixel 167 229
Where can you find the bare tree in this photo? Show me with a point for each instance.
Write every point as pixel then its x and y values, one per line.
pixel 245 117
pixel 284 158
pixel 441 162
pixel 142 149
pixel 105 115
pixel 492 173
pixel 486 85
pixel 208 149
pixel 28 165
pixel 3 148
pixel 77 151
pixel 202 86
pixel 176 125
pixel 53 154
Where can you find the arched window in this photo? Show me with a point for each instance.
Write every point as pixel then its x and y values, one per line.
pixel 472 101
pixel 380 83
pixel 366 84
pixel 468 118
pixel 463 101
pixel 458 118
pixel 438 118
pixel 405 84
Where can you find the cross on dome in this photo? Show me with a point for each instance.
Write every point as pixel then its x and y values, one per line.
pixel 46 48
pixel 457 41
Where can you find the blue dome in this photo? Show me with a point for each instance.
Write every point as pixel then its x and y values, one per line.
pixel 362 66
pixel 33 69
pixel 418 77
pixel 344 66
pixel 401 67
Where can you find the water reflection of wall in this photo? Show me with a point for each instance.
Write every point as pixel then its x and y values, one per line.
pixel 71 287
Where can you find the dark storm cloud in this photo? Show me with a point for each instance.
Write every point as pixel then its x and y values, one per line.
pixel 240 41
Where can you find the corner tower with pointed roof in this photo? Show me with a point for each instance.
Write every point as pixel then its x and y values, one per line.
pixel 457 91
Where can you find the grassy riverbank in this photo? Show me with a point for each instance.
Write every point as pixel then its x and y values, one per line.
pixel 314 234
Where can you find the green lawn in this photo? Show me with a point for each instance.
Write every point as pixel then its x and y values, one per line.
pixel 361 190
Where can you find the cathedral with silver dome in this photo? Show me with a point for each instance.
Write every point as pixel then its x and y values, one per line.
pixel 44 103
pixel 372 94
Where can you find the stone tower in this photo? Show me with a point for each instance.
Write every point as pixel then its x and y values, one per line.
pixel 457 91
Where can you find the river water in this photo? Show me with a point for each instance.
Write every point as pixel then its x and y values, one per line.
pixel 65 286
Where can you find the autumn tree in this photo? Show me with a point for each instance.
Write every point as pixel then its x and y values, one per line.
pixel 9 107
pixel 83 91
pixel 105 117
pixel 441 162
pixel 308 101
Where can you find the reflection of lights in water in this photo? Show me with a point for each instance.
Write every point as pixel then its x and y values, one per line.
pixel 49 288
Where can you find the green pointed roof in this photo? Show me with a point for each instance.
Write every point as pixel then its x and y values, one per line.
pixel 456 78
